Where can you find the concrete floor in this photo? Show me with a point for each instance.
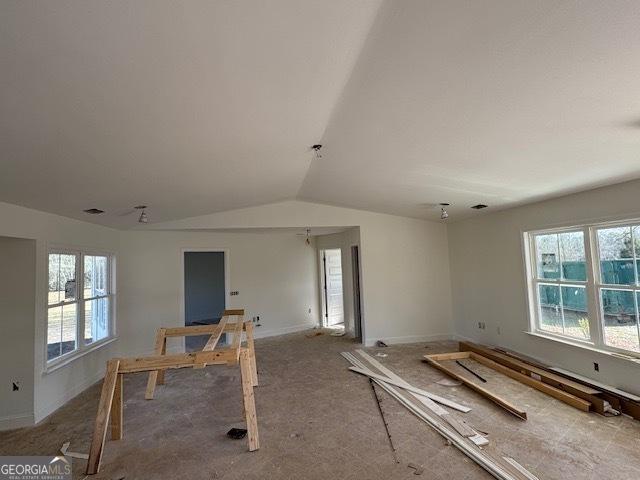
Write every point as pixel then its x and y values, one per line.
pixel 318 420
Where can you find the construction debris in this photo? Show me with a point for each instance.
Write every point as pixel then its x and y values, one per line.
pixel 496 467
pixel 384 421
pixel 418 469
pixel 65 451
pixel 381 344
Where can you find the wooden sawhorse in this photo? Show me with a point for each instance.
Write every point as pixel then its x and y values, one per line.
pixel 111 399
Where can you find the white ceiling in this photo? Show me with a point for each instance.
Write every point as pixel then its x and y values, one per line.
pixel 197 107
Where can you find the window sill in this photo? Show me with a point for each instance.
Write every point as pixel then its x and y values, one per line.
pixel 56 365
pixel 586 346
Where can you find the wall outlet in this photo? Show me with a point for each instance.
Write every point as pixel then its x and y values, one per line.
pixel 234 293
pixel 498 330
pixel 481 325
pixel 309 310
pixel 15 385
pixel 596 367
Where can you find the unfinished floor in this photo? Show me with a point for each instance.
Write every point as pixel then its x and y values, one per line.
pixel 319 421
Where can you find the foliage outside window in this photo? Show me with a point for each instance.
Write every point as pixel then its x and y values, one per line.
pixel 79 302
pixel 584 284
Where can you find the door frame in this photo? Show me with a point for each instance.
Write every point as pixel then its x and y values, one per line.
pixel 356 288
pixel 227 278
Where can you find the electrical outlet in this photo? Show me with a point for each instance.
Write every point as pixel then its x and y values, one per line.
pixel 15 385
pixel 234 293
pixel 309 310
pixel 596 367
pixel 498 330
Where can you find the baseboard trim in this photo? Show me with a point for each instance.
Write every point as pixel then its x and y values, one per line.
pixel 50 407
pixel 437 337
pixel 11 422
pixel 259 333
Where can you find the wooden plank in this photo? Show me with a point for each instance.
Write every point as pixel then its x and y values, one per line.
pixel 104 409
pixel 232 312
pixel 481 390
pixel 388 373
pixel 438 357
pixel 117 406
pixel 586 393
pixel 215 338
pixel 160 346
pixel 561 395
pixel 411 388
pixel 191 331
pixel 252 352
pixel 179 360
pixel 162 372
pixel 237 337
pixel 249 401
pixel 595 384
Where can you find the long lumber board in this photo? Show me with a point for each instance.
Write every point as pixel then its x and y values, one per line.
pixel 579 390
pixel 521 414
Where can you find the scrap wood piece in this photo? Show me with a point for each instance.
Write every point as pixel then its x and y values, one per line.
pixel 521 414
pixel 556 393
pixel 479 377
pixel 412 389
pixel 494 466
pixel 418 469
pixel 65 451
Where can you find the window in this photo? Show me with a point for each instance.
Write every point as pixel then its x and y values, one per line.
pixel 575 297
pixel 79 301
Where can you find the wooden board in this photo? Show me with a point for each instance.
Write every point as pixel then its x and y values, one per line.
pixel 521 414
pixel 159 349
pixel 249 401
pixel 117 405
pixel 178 360
pixel 104 409
pixel 579 390
pixel 252 353
pixel 561 395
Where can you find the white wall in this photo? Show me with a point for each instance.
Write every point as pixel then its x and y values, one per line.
pixel 17 311
pixel 51 390
pixel 404 261
pixel 274 273
pixel 488 278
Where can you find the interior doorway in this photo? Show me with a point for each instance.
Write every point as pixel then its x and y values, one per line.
pixel 205 292
pixel 331 278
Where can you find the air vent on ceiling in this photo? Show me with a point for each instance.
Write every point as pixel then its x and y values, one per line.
pixel 93 211
pixel 480 206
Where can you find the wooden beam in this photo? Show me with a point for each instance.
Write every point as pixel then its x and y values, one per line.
pixel 117 406
pixel 237 337
pixel 191 331
pixel 179 360
pixel 561 395
pixel 579 390
pixel 159 349
pixel 215 337
pixel 252 353
pixel 236 312
pixel 521 414
pixel 104 409
pixel 162 372
pixel 449 356
pixel 249 401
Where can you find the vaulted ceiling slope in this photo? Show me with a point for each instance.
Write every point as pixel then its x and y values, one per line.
pixel 190 107
pixel 195 107
pixel 498 102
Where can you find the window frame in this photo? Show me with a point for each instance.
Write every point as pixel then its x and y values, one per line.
pixel 593 283
pixel 82 347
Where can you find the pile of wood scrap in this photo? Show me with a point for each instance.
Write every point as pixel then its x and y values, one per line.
pixel 423 404
pixel 561 385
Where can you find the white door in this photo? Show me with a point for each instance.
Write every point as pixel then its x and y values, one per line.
pixel 334 313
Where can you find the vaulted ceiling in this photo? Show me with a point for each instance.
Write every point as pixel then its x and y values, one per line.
pixel 197 107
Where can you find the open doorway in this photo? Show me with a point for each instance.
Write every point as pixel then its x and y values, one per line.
pixel 332 297
pixel 357 305
pixel 205 292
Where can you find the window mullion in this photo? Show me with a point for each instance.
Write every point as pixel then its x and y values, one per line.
pixel 594 312
pixel 80 295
